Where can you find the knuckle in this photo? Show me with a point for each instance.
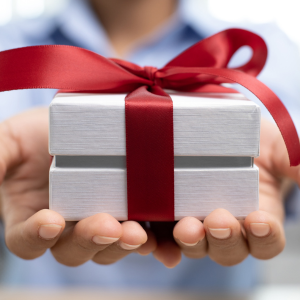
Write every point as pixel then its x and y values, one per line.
pixel 198 251
pixel 104 261
pixel 27 249
pixel 68 263
pixel 263 255
pixel 22 252
pixel 87 245
pixel 266 253
pixel 229 260
pixel 268 247
pixel 194 255
pixel 66 260
pixel 28 256
pixel 225 245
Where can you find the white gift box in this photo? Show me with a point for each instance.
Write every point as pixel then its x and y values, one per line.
pixel 216 137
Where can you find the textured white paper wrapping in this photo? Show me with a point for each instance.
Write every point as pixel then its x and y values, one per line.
pixel 77 193
pixel 210 125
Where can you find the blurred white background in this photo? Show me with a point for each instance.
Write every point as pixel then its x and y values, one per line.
pixel 285 13
pixel 12 10
pixel 280 277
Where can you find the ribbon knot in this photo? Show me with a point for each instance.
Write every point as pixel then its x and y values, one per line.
pixel 150 73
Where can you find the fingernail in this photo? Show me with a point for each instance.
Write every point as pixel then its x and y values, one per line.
pixel 50 231
pixel 260 229
pixel 220 233
pixel 103 240
pixel 189 244
pixel 127 246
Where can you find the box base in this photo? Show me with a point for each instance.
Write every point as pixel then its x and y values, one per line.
pixel 77 193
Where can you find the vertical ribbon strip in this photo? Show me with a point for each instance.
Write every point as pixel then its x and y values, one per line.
pixel 149 155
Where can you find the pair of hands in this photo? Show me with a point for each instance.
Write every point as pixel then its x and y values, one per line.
pixel 31 228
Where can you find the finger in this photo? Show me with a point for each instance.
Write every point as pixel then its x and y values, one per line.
pixel 31 238
pixel 81 242
pixel 168 253
pixel 265 234
pixel 226 243
pixel 167 250
pixel 149 246
pixel 189 234
pixel 133 237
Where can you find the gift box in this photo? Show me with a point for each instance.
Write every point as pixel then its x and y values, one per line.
pixel 216 137
pixel 131 148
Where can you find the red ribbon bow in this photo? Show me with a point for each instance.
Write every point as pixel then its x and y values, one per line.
pixel 148 109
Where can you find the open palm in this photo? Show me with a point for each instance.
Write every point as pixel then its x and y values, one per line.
pixel 229 241
pixel 30 227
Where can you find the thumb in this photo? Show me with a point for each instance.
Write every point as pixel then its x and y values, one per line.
pixel 281 164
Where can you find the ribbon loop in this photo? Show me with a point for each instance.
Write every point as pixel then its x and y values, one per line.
pixel 217 50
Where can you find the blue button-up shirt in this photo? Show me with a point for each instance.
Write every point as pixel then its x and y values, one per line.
pixel 77 25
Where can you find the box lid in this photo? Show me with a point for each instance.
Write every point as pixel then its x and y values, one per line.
pixel 204 125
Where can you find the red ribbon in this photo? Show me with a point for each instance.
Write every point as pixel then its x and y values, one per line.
pixel 148 109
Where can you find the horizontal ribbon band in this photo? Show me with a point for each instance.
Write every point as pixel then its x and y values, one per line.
pixel 149 116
